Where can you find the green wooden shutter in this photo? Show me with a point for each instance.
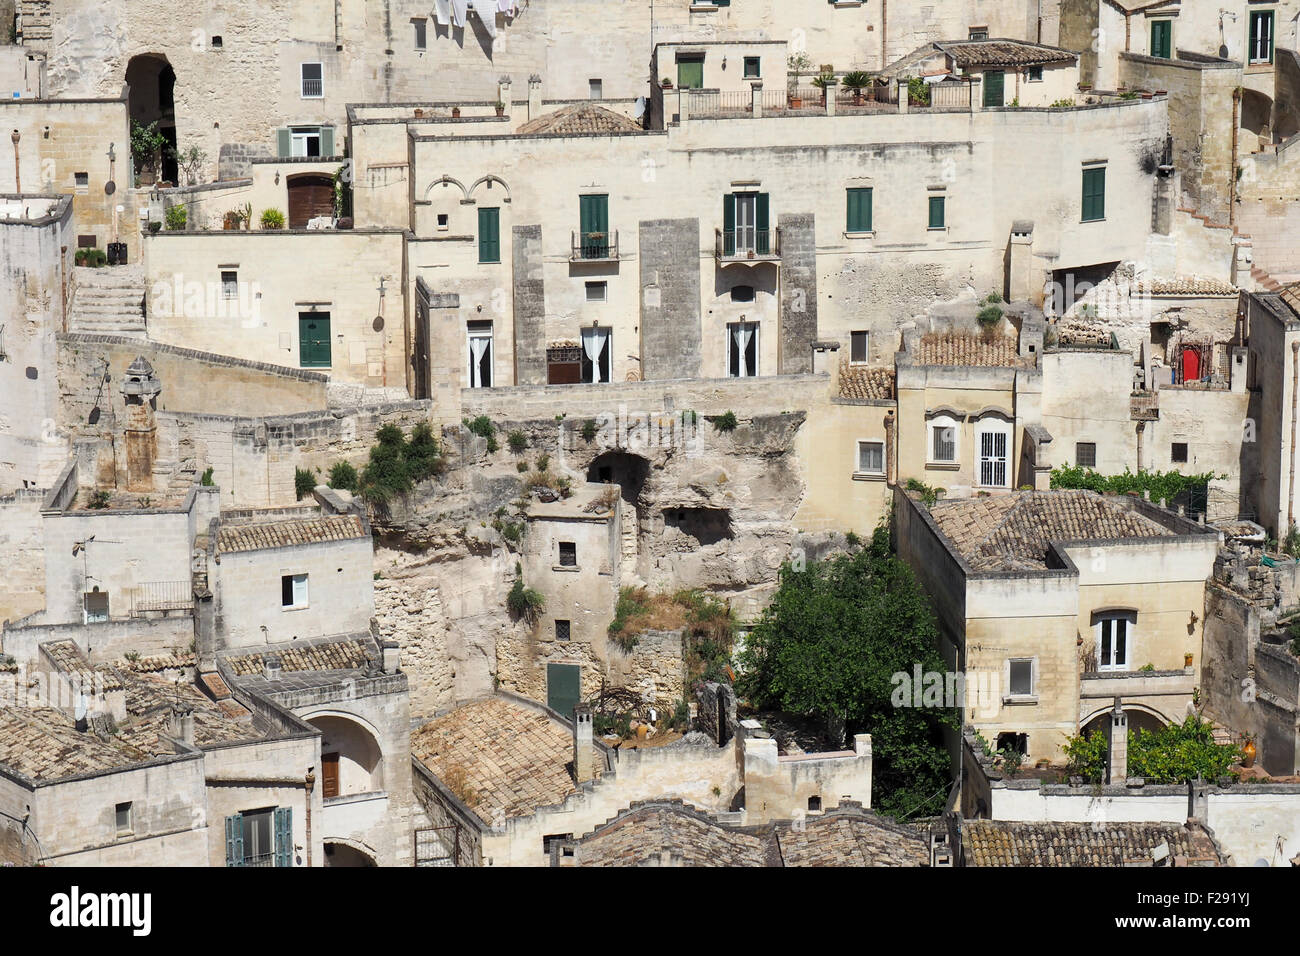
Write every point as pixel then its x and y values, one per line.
pixel 729 224
pixel 763 243
pixel 284 141
pixel 858 218
pixel 314 339
pixel 283 836
pixel 1094 194
pixel 937 212
pixel 327 140
pixel 1161 33
pixel 235 840
pixel 563 688
pixel 489 235
pixel 593 214
pixel 994 84
pixel 690 74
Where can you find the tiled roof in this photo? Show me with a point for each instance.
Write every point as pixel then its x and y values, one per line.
pixel 865 381
pixel 43 743
pixel 350 654
pixel 158 662
pixel 1003 843
pixel 149 704
pixel 1186 286
pixel 669 831
pixel 1290 294
pixel 69 660
pixel 498 755
pixel 293 531
pixel 1012 532
pixel 966 348
pixel 1001 52
pixel 580 118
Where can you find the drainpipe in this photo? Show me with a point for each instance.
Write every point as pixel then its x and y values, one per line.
pixel 1290 491
pixel 15 136
pixel 884 33
pixel 891 466
pixel 1232 171
pixel 311 786
pixel 1141 427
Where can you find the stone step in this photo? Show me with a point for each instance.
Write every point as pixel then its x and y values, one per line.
pixel 96 307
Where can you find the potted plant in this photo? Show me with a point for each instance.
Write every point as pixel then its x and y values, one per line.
pixel 666 83
pixel 272 219
pixel 230 220
pixel 155 227
pixel 501 108
pixel 825 82
pixel 245 214
pixel 79 257
pixel 796 63
pixel 455 112
pixel 855 81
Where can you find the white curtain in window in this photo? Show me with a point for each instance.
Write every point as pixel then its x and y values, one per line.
pixel 593 343
pixel 742 333
pixel 478 346
pixel 487 14
pixel 442 12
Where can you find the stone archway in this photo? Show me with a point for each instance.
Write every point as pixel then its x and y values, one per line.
pixel 351 759
pixel 346 854
pixel 151 99
pixel 1256 119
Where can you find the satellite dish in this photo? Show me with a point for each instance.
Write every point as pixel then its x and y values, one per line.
pixel 639 109
pixel 378 324
pixel 94 416
pixel 110 187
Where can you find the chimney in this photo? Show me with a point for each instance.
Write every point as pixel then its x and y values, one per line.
pixel 534 96
pixel 1198 800
pixel 1118 744
pixel 582 744
pixel 392 657
pixel 182 725
pixel 1020 277
pixel 271 667
pixel 503 91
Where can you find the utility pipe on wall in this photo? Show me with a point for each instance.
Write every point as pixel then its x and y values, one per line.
pixel 1290 491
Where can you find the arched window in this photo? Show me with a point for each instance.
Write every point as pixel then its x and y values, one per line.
pixel 943 444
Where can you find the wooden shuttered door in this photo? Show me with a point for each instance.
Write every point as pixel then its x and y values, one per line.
pixel 310 195
pixel 489 235
pixel 563 688
pixel 314 339
pixel 283 836
pixel 1094 193
pixel 994 85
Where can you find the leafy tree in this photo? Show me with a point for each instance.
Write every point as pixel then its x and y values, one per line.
pixel 829 645
pixel 1179 752
pixel 1087 757
pixel 396 464
pixel 343 475
pixel 147 143
pixel 1162 485
pixel 304 482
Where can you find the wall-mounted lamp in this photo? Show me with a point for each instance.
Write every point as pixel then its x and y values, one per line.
pixel 277 177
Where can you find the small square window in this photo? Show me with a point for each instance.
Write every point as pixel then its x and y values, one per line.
pixel 568 554
pixel 979 33
pixel 597 291
pixel 421 36
pixel 82 181
pixel 938 212
pixel 216 43
pixel 442 220
pixel 229 284
pixel 1020 677
pixel 742 293
pixel 293 591
pixel 595 89
pixel 1035 74
pixel 1085 454
pixel 561 630
pixel 752 68
pixel 858 354
pixel 1178 451
pixel 122 812
pixel 871 458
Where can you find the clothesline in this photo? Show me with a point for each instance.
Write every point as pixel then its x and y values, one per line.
pixel 456 12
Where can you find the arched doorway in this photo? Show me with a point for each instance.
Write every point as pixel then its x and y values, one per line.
pixel 342 854
pixel 151 99
pixel 1256 119
pixel 310 195
pixel 351 760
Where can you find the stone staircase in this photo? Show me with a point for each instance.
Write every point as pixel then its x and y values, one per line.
pixel 109 301
pixel 1263 280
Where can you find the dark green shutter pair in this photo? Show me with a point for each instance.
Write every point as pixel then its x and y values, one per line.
pixel 593 215
pixel 994 87
pixel 283 838
pixel 489 235
pixel 762 227
pixel 937 218
pixel 284 141
pixel 1162 32
pixel 858 218
pixel 313 344
pixel 1094 193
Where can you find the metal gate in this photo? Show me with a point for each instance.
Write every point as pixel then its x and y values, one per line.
pixel 437 846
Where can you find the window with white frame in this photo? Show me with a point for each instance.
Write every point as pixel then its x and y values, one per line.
pixel 293 591
pixel 1020 675
pixel 313 81
pixel 304 141
pixel 871 458
pixel 1114 635
pixel 858 353
pixel 229 284
pixel 993 442
pixel 480 354
pixel 742 349
pixel 941 449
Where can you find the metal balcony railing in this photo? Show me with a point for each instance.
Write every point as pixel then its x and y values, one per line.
pixel 746 244
pixel 593 246
pixel 162 596
pixel 312 87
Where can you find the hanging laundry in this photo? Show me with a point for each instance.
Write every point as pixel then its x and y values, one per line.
pixel 507 7
pixel 442 12
pixel 459 12
pixel 487 14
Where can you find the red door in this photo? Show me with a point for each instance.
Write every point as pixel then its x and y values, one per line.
pixel 1191 365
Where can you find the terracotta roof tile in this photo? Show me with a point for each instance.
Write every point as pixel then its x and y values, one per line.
pixel 1003 843
pixel 1012 532
pixel 294 531
pixel 580 118
pixel 966 348
pixel 996 52
pixel 351 654
pixel 1186 285
pixel 864 381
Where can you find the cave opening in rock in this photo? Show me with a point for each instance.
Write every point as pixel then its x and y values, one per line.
pixel 626 470
pixel 704 525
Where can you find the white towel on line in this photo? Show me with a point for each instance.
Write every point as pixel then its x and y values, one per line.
pixel 487 14
pixel 442 12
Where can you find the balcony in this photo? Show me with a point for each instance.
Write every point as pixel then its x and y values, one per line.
pixel 157 596
pixel 1144 406
pixel 1130 684
pixel 747 245
pixel 593 246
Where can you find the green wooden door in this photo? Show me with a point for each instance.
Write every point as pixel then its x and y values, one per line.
pixel 593 214
pixel 762 240
pixel 563 688
pixel 1094 194
pixel 690 74
pixel 314 339
pixel 729 224
pixel 1161 37
pixel 994 84
pixel 489 235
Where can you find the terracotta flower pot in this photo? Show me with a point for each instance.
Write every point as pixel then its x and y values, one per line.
pixel 1248 754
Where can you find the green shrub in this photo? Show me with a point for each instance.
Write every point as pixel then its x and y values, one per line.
pixel 176 217
pixel 929 495
pixel 725 422
pixel 304 482
pixel 1179 752
pixel 397 463
pixel 589 430
pixel 993 298
pixel 1160 485
pixel 1087 756
pixel 521 466
pixel 206 479
pixel 543 462
pixel 1011 760
pixel 272 219
pixel 343 475
pixel 98 500
pixel 524 602
pixel 989 316
pixel 517 441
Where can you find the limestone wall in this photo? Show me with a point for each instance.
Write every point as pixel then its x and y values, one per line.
pixel 22 552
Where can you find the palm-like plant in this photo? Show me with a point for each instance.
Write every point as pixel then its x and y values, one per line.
pixel 856 81
pixel 826 82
